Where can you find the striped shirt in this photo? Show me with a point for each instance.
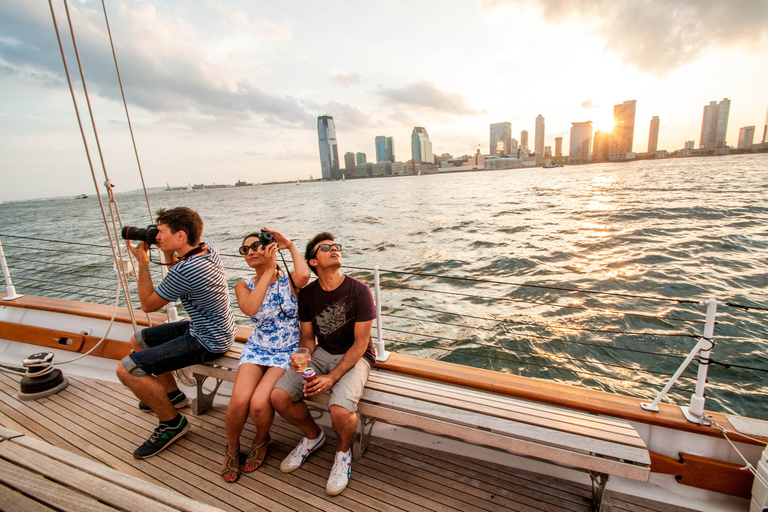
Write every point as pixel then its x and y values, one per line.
pixel 200 284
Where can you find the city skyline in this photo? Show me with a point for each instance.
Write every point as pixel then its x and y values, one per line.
pixel 221 91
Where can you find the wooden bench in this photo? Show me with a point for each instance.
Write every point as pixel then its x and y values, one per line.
pixel 601 446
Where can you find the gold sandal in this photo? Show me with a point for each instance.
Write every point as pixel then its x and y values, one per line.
pixel 233 466
pixel 253 456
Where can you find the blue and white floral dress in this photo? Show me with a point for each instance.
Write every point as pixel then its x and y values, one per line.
pixel 275 336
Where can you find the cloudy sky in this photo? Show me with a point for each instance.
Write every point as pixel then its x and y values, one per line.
pixel 221 90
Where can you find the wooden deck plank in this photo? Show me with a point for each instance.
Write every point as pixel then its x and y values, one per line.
pixel 16 501
pixel 390 477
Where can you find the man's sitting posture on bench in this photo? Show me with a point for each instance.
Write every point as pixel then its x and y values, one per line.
pixel 338 310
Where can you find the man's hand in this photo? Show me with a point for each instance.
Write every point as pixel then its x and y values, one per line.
pixel 321 384
pixel 139 251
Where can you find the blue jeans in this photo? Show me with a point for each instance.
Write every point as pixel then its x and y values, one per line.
pixel 166 347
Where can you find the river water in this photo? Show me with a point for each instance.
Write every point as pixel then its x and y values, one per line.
pixel 648 232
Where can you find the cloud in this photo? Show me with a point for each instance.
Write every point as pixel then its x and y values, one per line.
pixel 163 63
pixel 659 36
pixel 348 116
pixel 588 105
pixel 345 78
pixel 427 95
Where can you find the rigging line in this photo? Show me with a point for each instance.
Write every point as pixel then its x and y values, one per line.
pixel 510 299
pixel 545 287
pixel 528 363
pixel 60 272
pixel 548 338
pixel 125 104
pixel 535 324
pixel 742 306
pixel 728 366
pixel 530 352
pixel 68 242
pixel 82 130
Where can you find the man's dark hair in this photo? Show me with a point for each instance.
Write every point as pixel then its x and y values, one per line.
pixel 310 253
pixel 182 219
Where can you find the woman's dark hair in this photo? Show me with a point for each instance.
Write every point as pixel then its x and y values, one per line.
pixel 182 219
pixel 310 253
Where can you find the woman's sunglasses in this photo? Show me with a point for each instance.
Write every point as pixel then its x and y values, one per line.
pixel 327 247
pixel 254 247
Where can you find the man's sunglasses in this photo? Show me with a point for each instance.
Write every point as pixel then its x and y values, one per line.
pixel 326 248
pixel 244 248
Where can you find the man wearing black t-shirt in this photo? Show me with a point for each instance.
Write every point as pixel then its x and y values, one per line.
pixel 338 311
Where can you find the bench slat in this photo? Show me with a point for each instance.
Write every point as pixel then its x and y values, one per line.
pixel 513 409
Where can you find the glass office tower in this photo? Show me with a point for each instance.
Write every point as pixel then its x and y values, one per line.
pixel 329 152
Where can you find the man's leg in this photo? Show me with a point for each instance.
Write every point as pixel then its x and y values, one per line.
pixel 295 412
pixel 345 425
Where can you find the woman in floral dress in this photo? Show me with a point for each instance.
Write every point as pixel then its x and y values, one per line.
pixel 270 299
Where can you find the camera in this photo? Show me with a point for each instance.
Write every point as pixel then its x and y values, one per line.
pixel 266 238
pixel 148 234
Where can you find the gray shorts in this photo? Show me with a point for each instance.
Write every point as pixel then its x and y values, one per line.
pixel 347 390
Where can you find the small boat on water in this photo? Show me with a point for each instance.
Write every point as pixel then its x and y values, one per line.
pixel 82 196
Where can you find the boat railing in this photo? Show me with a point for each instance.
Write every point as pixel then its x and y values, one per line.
pixel 605 339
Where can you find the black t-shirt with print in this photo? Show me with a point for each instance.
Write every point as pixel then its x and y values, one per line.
pixel 333 314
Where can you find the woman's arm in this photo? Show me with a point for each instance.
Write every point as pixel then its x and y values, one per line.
pixel 249 301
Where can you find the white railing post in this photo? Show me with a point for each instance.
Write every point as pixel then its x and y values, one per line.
pixel 9 289
pixel 381 353
pixel 694 413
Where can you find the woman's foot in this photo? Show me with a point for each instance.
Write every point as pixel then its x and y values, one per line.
pixel 230 469
pixel 256 458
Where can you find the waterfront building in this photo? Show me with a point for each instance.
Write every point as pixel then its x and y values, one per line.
pixel 653 136
pixel 715 124
pixel 547 152
pixel 689 144
pixel 514 145
pixel 581 143
pixel 765 129
pixel 329 152
pixel 623 129
pixel 501 139
pixel 746 137
pixel 360 158
pixel 538 145
pixel 385 149
pixel 601 146
pixel 524 142
pixel 349 163
pixel 559 147
pixel 421 146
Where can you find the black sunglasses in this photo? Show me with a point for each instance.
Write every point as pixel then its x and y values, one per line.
pixel 244 248
pixel 326 248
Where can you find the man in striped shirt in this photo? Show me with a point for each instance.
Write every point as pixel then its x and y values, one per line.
pixel 196 277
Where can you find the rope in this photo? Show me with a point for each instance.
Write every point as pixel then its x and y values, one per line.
pixel 544 326
pixel 728 366
pixel 509 299
pixel 529 352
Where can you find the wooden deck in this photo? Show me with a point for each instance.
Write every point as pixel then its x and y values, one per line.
pixel 100 422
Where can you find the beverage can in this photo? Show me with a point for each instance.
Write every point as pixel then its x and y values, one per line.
pixel 309 374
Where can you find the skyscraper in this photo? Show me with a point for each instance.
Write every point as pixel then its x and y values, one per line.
pixel 524 142
pixel 329 152
pixel 581 143
pixel 421 147
pixel 715 124
pixel 746 137
pixel 623 127
pixel 539 141
pixel 601 145
pixel 360 158
pixel 653 136
pixel 501 139
pixel 558 147
pixel 765 129
pixel 349 162
pixel 385 149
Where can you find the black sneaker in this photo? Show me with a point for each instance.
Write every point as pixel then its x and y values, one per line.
pixel 178 402
pixel 160 439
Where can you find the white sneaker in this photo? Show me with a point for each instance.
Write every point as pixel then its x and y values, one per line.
pixel 296 458
pixel 342 468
